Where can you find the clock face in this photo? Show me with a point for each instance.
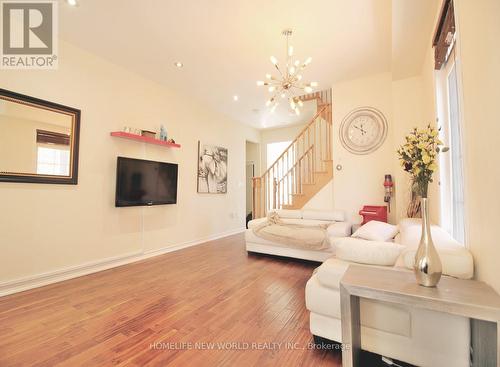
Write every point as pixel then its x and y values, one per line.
pixel 363 130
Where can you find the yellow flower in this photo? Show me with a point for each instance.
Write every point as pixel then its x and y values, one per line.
pixel 433 167
pixel 426 159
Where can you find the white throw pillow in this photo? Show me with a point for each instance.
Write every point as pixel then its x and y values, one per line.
pixel 367 252
pixel 376 231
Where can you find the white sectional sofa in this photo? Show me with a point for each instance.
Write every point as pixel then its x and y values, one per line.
pixel 337 227
pixel 412 335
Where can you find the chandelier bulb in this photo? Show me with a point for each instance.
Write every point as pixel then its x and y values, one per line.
pixel 300 103
pixel 291 70
pixel 297 63
pixel 271 89
pixel 308 89
pixel 268 76
pixel 290 51
pixel 274 60
pixel 260 83
pixel 313 84
pixel 308 61
pixel 299 77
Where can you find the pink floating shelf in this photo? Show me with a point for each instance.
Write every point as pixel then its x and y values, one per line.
pixel 144 139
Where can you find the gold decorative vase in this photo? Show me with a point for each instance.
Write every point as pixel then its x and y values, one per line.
pixel 427 266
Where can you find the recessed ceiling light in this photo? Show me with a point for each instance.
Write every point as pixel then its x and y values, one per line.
pixel 179 64
pixel 72 2
pixel 235 98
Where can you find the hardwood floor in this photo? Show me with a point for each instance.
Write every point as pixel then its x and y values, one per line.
pixel 160 311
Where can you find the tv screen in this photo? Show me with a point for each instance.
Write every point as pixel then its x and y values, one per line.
pixel 140 182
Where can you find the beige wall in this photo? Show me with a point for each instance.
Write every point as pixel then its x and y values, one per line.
pixel 49 227
pixel 413 106
pixel 478 24
pixel 360 182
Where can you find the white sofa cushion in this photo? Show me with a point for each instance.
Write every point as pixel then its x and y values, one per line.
pixel 456 260
pixel 408 222
pixel 328 215
pixel 289 213
pixel 331 271
pixel 256 222
pixel 339 229
pixel 367 252
pixel 376 231
pixel 326 301
pixel 306 222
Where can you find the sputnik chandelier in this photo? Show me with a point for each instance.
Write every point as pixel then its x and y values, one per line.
pixel 288 84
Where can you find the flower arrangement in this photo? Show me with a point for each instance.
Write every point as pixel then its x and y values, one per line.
pixel 418 157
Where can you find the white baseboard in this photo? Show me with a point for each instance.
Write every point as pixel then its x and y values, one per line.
pixel 39 280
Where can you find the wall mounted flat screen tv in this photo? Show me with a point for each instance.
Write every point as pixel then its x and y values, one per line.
pixel 140 182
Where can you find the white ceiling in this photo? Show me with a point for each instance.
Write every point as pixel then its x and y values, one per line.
pixel 225 45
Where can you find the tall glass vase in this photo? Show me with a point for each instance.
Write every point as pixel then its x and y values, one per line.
pixel 427 263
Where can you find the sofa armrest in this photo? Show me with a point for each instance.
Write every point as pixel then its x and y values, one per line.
pixel 256 222
pixel 339 229
pixel 331 271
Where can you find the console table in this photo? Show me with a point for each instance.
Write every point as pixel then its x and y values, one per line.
pixel 467 298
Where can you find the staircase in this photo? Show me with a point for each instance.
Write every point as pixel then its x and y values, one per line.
pixel 303 169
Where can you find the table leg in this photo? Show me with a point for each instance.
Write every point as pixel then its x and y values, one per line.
pixel 351 328
pixel 498 343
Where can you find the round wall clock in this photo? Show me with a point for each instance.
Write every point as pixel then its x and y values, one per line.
pixel 363 130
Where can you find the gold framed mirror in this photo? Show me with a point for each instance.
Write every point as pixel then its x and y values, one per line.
pixel 39 140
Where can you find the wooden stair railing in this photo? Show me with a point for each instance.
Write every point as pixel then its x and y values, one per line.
pixel 309 153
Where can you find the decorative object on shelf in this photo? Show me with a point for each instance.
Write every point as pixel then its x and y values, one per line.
pixel 418 157
pixel 363 130
pixel 171 141
pixel 212 169
pixel 289 81
pixel 388 188
pixel 148 134
pixel 163 133
pixel 143 139
pixel 39 140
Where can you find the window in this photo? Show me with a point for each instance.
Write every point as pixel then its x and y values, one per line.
pixel 52 161
pixel 451 173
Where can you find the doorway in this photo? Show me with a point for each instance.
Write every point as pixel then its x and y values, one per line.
pixel 252 169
